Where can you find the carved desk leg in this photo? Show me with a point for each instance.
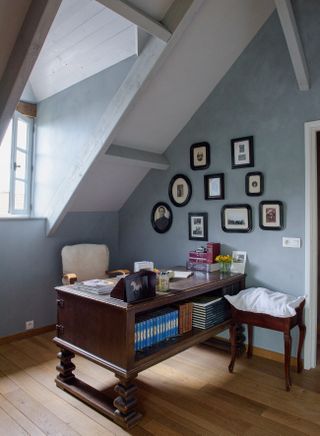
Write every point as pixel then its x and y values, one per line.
pixel 287 358
pixel 65 367
pixel 126 402
pixel 233 340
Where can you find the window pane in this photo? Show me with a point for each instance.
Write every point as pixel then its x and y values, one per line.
pixel 21 161
pixel 19 198
pixel 22 134
pixel 5 162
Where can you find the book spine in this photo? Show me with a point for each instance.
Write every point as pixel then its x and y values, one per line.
pixel 144 334
pixel 176 318
pixel 139 336
pixel 135 336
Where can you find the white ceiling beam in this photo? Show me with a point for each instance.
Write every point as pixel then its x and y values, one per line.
pixel 138 17
pixel 146 65
pixel 132 156
pixel 291 33
pixel 28 44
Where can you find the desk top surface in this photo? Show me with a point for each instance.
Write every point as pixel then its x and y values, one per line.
pixel 180 289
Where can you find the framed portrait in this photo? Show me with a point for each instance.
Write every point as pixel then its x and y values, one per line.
pixel 180 190
pixel 198 226
pixel 254 183
pixel 242 152
pixel 214 187
pixel 161 217
pixel 200 156
pixel 271 215
pixel 236 218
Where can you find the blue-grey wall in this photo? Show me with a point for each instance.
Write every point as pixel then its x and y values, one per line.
pixel 64 124
pixel 259 96
pixel 30 264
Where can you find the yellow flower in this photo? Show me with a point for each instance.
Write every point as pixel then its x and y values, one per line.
pixel 223 258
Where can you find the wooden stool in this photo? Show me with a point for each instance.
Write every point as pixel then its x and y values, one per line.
pixel 273 323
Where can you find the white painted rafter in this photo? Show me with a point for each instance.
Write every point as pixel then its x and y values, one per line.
pixel 291 33
pixel 24 55
pixel 146 65
pixel 138 17
pixel 132 156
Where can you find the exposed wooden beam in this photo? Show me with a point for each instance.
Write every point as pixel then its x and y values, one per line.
pixel 138 17
pixel 291 33
pixel 146 65
pixel 132 156
pixel 24 55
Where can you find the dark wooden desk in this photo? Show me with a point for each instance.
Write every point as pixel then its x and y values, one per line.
pixel 101 329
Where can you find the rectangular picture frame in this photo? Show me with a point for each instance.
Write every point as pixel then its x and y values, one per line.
pixel 214 186
pixel 200 156
pixel 236 218
pixel 242 155
pixel 254 183
pixel 271 215
pixel 198 226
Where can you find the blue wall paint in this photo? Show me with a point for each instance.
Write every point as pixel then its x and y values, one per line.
pixel 64 124
pixel 258 96
pixel 30 264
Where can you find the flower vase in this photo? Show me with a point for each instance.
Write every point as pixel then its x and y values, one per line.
pixel 224 267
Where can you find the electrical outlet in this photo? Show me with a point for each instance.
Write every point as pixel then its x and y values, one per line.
pixel 291 242
pixel 29 325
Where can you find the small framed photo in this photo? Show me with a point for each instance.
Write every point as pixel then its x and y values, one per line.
pixel 238 264
pixel 236 218
pixel 180 190
pixel 214 186
pixel 161 217
pixel 198 226
pixel 271 215
pixel 200 156
pixel 242 152
pixel 254 183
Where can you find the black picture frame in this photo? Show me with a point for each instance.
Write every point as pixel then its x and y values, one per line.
pixel 254 183
pixel 161 221
pixel 271 215
pixel 242 154
pixel 214 186
pixel 200 156
pixel 236 218
pixel 180 190
pixel 198 226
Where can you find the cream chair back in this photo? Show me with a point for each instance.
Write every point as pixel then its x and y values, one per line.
pixel 87 261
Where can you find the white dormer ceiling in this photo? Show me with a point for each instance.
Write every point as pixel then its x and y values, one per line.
pixel 85 38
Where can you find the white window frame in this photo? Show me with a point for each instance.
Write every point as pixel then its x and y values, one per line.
pixel 29 155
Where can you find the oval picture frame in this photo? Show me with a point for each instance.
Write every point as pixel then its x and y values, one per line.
pixel 161 220
pixel 180 190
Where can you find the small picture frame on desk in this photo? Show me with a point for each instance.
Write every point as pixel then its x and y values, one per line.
pixel 136 287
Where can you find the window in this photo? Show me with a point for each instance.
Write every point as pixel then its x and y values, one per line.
pixel 16 167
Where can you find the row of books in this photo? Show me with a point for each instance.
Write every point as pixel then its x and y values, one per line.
pixel 156 327
pixel 185 317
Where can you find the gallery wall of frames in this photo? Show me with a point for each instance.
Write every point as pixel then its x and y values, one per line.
pixel 236 218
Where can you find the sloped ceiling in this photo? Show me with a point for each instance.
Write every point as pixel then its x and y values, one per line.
pixel 211 44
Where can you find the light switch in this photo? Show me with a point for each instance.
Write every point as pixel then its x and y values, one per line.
pixel 291 242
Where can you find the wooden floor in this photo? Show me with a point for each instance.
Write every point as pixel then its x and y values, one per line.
pixel 191 393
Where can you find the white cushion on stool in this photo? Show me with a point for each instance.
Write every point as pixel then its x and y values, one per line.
pixel 262 300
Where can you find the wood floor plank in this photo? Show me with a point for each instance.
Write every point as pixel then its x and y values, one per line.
pixel 8 426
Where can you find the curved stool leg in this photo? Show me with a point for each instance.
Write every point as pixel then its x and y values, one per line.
pixel 250 341
pixel 287 358
pixel 233 339
pixel 302 334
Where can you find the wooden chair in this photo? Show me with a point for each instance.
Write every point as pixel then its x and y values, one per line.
pixel 273 323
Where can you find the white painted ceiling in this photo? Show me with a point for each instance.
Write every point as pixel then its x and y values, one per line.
pixel 85 38
pixel 211 44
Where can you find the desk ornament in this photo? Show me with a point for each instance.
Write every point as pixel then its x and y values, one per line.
pixel 136 287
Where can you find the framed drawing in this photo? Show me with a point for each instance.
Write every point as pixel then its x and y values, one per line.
pixel 242 152
pixel 198 226
pixel 254 183
pixel 180 190
pixel 214 187
pixel 200 156
pixel 161 217
pixel 236 218
pixel 271 215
